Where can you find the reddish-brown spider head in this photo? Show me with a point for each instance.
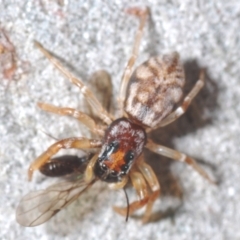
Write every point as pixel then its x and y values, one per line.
pixel 123 143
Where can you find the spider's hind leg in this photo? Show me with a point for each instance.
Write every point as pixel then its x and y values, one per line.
pixel 142 15
pixel 178 156
pixel 178 112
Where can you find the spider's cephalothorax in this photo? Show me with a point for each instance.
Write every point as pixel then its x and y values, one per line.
pixel 123 143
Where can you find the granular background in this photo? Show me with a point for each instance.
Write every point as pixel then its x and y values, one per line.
pixel 92 35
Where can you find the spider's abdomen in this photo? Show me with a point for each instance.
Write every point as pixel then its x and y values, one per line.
pixel 154 89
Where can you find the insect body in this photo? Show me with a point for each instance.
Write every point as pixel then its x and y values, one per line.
pixel 64 165
pixel 146 101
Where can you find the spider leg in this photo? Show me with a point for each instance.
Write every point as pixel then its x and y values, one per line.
pixel 80 116
pixel 142 14
pixel 140 186
pixel 88 175
pixel 78 143
pixel 102 113
pixel 173 154
pixel 153 183
pixel 186 102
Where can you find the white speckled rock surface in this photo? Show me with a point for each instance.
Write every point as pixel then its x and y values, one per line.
pixel 92 35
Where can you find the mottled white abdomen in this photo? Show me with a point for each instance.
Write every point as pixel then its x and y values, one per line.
pixel 154 89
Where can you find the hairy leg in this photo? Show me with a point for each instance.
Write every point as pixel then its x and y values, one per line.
pixel 80 116
pixel 88 175
pixel 173 154
pixel 102 113
pixel 140 186
pixel 185 104
pixel 153 183
pixel 142 14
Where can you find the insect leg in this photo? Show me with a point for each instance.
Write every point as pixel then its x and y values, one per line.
pixel 186 102
pixel 140 186
pixel 142 14
pixel 80 116
pixel 152 181
pixel 173 154
pixel 103 114
pixel 78 143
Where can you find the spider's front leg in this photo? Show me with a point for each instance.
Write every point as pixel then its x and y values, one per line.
pixel 77 143
pixel 141 187
pixel 141 181
pixel 154 185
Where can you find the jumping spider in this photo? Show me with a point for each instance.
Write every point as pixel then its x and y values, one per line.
pixel 146 102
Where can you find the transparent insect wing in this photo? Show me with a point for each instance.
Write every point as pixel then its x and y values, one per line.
pixel 100 84
pixel 37 207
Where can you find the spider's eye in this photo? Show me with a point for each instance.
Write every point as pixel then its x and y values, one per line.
pixel 125 167
pixel 104 167
pixel 113 147
pixel 129 156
